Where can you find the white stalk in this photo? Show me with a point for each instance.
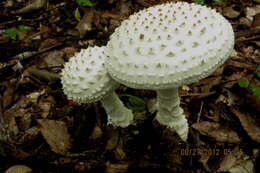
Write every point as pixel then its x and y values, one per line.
pixel 118 114
pixel 170 113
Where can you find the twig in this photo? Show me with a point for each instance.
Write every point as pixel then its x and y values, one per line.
pixel 242 39
pixel 197 94
pixel 21 58
pixel 248 32
pixel 44 74
pixel 199 114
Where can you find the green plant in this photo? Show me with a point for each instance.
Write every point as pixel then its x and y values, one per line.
pixel 24 28
pixel 245 83
pixel 84 3
pixel 203 2
pixel 12 32
pixel 134 103
pixel 257 71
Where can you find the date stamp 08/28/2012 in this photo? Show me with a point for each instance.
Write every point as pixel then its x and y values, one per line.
pixel 197 151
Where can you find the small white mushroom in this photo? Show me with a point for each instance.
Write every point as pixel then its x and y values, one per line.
pixel 85 80
pixel 185 48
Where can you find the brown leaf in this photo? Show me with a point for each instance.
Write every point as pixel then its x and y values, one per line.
pixel 113 138
pixel 45 104
pixel 19 169
pixel 245 21
pixel 151 105
pixel 34 5
pixel 69 51
pixel 217 131
pixel 9 92
pixel 85 24
pixel 256 21
pixel 96 133
pixel 49 42
pixel 53 59
pixel 250 124
pixel 236 161
pixel 252 11
pixel 253 101
pixel 119 152
pixel 119 168
pixel 208 83
pixel 29 135
pixel 230 12
pixel 56 135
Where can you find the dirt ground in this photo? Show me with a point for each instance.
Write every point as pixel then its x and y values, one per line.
pixel 42 129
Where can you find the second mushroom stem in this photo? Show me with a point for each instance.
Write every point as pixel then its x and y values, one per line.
pixel 118 114
pixel 170 113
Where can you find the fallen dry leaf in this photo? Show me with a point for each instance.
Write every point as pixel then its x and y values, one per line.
pixel 208 83
pixel 119 168
pixel 217 131
pixel 45 104
pixel 151 105
pixel 34 5
pixel 85 24
pixel 69 51
pixel 29 135
pixel 113 138
pixel 53 59
pixel 250 124
pixel 253 101
pixel 8 95
pixel 256 21
pixel 252 11
pixel 119 152
pixel 96 133
pixel 19 169
pixel 236 162
pixel 204 158
pixel 56 135
pixel 230 12
pixel 245 21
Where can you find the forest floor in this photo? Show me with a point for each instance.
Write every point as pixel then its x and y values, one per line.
pixel 42 129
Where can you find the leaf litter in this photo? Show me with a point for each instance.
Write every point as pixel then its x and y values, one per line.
pixel 35 111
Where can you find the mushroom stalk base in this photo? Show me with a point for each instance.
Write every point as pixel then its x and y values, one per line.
pixel 170 113
pixel 118 114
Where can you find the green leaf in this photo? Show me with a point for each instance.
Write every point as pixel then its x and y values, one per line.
pixel 11 32
pixel 256 91
pixel 218 1
pixel 77 14
pixel 135 103
pixel 243 83
pixel 24 28
pixel 257 71
pixel 201 2
pixel 84 3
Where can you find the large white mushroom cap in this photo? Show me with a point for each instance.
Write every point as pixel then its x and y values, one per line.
pixel 168 45
pixel 84 77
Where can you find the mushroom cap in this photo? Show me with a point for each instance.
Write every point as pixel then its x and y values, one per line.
pixel 168 45
pixel 84 77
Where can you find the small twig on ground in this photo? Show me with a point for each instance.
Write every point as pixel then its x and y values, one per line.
pixel 242 39
pixel 201 95
pixel 199 114
pixel 44 74
pixel 248 32
pixel 21 58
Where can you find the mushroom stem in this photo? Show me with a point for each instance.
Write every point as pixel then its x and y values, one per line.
pixel 170 113
pixel 118 114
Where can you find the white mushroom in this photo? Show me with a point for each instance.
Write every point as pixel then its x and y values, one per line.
pixel 166 46
pixel 85 80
